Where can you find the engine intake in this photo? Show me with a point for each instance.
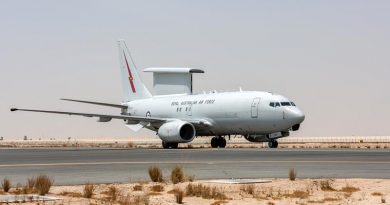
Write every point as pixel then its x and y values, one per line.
pixel 176 131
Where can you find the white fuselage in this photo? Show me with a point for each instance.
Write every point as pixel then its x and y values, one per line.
pixel 244 112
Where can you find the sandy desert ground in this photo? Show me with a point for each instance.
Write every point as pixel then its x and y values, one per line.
pixel 279 191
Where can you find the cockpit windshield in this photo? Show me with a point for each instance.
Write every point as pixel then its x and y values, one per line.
pixel 277 104
pixel 285 103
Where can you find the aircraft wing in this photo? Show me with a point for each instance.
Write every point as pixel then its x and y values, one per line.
pixel 138 121
pixel 95 103
pixel 102 117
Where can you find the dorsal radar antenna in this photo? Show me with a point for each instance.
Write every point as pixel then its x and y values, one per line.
pixel 172 80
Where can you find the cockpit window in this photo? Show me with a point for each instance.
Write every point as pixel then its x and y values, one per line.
pixel 278 104
pixel 292 103
pixel 274 104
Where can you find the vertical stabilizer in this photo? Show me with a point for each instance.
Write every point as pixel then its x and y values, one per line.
pixel 133 88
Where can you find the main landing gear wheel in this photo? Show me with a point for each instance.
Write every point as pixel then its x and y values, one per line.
pixel 218 142
pixel 273 144
pixel 170 145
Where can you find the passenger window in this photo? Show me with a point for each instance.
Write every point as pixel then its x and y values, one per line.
pixel 272 104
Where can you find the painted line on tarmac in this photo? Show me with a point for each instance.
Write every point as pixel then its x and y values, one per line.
pixel 189 162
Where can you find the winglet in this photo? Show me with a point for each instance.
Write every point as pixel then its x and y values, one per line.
pixel 13 109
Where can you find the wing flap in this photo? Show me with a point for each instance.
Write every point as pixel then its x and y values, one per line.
pixel 104 119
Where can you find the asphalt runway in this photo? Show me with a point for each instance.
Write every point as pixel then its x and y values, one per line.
pixel 77 166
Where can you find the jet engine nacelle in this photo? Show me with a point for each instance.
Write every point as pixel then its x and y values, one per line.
pixel 176 131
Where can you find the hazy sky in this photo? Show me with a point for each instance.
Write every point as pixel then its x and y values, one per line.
pixel 331 57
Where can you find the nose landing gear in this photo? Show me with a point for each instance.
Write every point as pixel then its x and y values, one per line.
pixel 218 141
pixel 273 144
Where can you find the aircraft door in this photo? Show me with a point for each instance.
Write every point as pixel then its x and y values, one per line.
pixel 255 107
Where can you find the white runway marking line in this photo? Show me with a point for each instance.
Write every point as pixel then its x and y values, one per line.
pixel 194 162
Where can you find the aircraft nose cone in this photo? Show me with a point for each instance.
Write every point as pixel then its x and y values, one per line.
pixel 297 115
pixel 301 117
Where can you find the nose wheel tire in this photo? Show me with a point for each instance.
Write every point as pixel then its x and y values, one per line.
pixel 273 144
pixel 214 142
pixel 218 142
pixel 170 145
pixel 221 142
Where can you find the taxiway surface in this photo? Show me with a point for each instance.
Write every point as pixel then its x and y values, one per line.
pixel 77 166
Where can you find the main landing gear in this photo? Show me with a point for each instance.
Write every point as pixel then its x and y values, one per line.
pixel 273 144
pixel 218 142
pixel 170 145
